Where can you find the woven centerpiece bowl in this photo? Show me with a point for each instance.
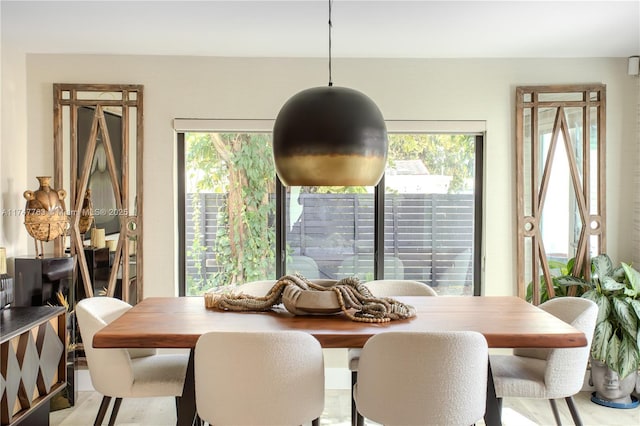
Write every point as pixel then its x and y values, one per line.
pixel 301 302
pixel 301 296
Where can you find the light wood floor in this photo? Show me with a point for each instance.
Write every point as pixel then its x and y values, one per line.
pixel 516 412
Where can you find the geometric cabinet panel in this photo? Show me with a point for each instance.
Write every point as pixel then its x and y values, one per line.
pixel 50 349
pixel 33 359
pixel 29 361
pixel 11 376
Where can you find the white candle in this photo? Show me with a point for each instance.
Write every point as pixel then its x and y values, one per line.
pixel 111 244
pixel 3 260
pixel 97 238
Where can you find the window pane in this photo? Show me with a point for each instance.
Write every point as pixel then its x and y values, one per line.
pixel 429 211
pixel 230 208
pixel 330 232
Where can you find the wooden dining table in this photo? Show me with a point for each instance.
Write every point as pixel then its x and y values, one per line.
pixel 178 322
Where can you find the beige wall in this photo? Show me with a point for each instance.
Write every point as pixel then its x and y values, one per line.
pixel 255 88
pixel 13 150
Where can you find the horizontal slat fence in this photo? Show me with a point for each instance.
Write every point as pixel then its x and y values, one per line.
pixel 428 237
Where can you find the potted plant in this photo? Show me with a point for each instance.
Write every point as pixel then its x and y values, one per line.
pixel 558 270
pixel 615 349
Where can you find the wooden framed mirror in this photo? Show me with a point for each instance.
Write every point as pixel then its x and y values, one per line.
pixel 560 173
pixel 98 143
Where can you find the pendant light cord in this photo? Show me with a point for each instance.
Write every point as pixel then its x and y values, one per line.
pixel 330 27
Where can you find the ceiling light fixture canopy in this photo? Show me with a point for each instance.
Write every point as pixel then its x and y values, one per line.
pixel 330 136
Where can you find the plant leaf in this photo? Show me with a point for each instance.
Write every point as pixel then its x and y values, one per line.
pixel 554 264
pixel 602 266
pixel 638 343
pixel 569 280
pixel 618 274
pixel 604 305
pixel 570 265
pixel 628 356
pixel 635 305
pixel 609 284
pixel 626 316
pixel 542 288
pixel 613 349
pixel 601 337
pixel 633 277
pixel 629 292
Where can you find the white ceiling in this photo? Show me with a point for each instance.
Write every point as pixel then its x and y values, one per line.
pixel 393 29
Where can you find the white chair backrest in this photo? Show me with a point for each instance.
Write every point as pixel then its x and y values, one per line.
pixel 262 378
pixel 390 288
pixel 110 369
pixel 435 378
pixel 255 288
pixel 305 266
pixel 566 367
pixel 262 287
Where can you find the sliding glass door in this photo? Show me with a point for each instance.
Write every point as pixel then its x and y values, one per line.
pixel 421 222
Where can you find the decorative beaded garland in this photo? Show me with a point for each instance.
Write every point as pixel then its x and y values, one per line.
pixel 351 294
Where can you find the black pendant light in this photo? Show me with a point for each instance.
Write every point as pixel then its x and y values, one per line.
pixel 330 136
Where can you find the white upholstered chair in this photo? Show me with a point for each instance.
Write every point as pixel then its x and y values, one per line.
pixel 549 373
pixel 262 287
pixel 383 288
pixel 423 378
pixel 391 288
pixel 125 373
pixel 305 266
pixel 256 288
pixel 259 378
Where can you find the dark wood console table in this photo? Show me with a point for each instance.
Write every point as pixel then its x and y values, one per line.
pixel 33 364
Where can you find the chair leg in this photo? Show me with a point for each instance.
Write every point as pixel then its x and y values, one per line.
pixel 574 411
pixel 197 421
pixel 114 411
pixel 556 414
pixel 354 410
pixel 102 410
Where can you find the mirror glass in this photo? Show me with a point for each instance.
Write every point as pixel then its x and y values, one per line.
pixel 560 166
pixel 98 139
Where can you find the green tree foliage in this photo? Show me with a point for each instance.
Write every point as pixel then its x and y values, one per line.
pixel 197 251
pixel 239 165
pixel 448 155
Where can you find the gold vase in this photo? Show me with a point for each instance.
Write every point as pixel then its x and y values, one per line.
pixel 45 213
